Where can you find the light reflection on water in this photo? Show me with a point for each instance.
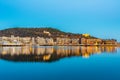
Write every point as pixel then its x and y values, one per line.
pixel 60 63
pixel 51 53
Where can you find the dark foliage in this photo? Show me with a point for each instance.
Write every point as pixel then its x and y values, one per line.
pixel 35 32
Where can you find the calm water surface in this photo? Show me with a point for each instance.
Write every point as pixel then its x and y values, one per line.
pixel 59 63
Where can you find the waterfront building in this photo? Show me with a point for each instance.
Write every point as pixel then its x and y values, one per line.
pixel 75 41
pixel 54 41
pixel 40 41
pixel 110 41
pixel 83 41
pixel 49 41
pixel 26 40
pixel 94 41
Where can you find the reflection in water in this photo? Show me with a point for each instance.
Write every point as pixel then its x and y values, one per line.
pixel 50 53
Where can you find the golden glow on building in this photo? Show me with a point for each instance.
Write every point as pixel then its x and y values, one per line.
pixel 86 35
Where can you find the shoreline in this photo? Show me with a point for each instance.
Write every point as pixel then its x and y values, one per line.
pixel 65 45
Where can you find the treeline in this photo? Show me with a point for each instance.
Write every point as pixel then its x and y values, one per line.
pixel 29 32
pixel 35 32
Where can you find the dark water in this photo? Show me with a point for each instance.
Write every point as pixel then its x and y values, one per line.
pixel 59 63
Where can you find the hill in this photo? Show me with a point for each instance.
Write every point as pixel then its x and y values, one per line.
pixel 41 32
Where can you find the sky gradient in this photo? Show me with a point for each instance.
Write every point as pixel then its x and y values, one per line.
pixel 100 18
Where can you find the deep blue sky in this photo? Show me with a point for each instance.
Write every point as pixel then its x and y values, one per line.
pixel 100 18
